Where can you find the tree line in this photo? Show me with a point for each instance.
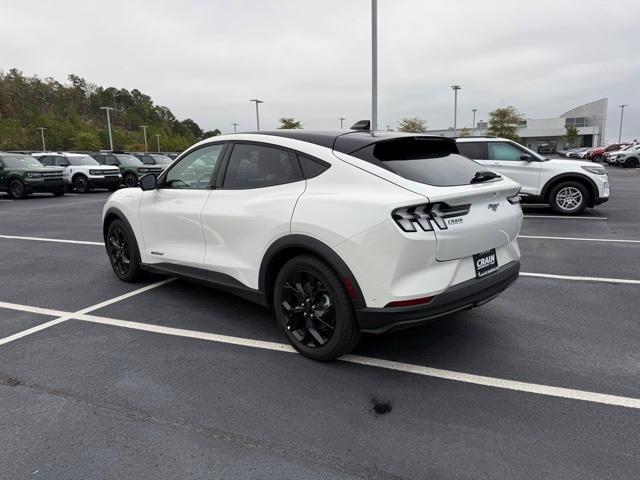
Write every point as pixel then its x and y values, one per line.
pixel 71 115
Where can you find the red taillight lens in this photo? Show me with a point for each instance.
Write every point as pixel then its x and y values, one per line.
pixel 409 303
pixel 350 288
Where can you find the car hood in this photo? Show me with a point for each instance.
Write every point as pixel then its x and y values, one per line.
pixel 570 163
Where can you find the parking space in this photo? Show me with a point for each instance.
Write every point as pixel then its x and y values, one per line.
pixel 541 382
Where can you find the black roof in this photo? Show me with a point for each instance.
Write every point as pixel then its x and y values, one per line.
pixel 344 141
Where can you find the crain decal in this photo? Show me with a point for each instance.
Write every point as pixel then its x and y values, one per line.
pixel 454 221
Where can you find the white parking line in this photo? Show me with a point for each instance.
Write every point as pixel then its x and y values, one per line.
pixel 577 239
pixel 54 240
pixel 68 315
pixel 581 279
pixel 567 217
pixel 505 384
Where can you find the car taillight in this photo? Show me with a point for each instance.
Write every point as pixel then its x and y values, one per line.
pixel 423 215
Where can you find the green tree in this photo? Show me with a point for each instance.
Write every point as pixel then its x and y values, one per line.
pixel 287 123
pixel 86 141
pixel 211 133
pixel 505 122
pixel 571 135
pixel 412 125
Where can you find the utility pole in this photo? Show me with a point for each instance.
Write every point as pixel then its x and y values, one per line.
pixel 42 129
pixel 621 118
pixel 473 130
pixel 144 129
pixel 455 89
pixel 108 109
pixel 342 119
pixel 374 65
pixel 158 139
pixel 257 112
pixel 234 126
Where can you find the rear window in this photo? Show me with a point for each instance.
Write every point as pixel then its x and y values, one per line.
pixel 427 160
pixel 472 150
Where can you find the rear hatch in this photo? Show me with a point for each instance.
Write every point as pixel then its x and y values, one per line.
pixel 471 208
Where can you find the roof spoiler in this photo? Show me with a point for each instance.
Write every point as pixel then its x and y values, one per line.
pixel 364 125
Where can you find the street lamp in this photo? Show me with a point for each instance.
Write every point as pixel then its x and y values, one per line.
pixel 621 118
pixel 108 109
pixel 342 119
pixel 42 129
pixel 374 65
pixel 257 113
pixel 473 130
pixel 234 126
pixel 144 129
pixel 455 89
pixel 158 140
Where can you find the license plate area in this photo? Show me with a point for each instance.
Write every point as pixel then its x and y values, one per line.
pixel 485 262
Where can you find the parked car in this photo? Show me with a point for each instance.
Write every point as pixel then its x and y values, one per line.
pixel 568 186
pixel 293 219
pixel 575 152
pixel 81 171
pixel 21 175
pixel 629 157
pixel 130 167
pixel 153 159
pixel 610 157
pixel 597 154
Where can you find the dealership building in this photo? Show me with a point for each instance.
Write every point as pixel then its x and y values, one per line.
pixel 546 135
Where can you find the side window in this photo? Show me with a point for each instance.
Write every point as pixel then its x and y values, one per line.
pixel 62 162
pixel 504 151
pixel 473 150
pixel 255 166
pixel 194 170
pixel 311 167
pixel 146 159
pixel 99 159
pixel 111 160
pixel 47 160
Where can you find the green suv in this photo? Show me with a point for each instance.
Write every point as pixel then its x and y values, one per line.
pixel 130 167
pixel 21 175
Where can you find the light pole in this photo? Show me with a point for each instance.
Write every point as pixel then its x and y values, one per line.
pixel 374 65
pixel 593 130
pixel 342 119
pixel 108 109
pixel 455 89
pixel 42 129
pixel 158 140
pixel 234 126
pixel 473 130
pixel 621 118
pixel 144 129
pixel 257 113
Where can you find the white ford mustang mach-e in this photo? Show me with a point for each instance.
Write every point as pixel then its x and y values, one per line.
pixel 338 232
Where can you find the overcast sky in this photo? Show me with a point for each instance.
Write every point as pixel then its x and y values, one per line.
pixel 312 59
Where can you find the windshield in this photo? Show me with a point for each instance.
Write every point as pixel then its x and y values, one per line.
pixel 161 159
pixel 78 160
pixel 20 161
pixel 128 160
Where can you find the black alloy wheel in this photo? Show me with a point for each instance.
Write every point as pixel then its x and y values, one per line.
pixel 130 180
pixel 81 184
pixel 122 252
pixel 314 309
pixel 17 189
pixel 309 309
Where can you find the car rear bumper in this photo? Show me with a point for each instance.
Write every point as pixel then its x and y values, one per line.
pixel 465 295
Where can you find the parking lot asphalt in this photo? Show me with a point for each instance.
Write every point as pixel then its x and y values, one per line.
pixel 182 381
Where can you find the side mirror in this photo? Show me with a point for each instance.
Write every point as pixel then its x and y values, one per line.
pixel 526 158
pixel 148 182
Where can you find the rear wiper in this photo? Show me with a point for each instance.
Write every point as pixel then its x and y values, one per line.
pixel 484 176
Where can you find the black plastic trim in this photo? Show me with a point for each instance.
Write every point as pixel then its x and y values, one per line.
pixel 113 211
pixel 465 295
pixel 314 246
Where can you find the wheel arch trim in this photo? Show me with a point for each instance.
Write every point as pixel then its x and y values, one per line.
pixel 116 213
pixel 577 177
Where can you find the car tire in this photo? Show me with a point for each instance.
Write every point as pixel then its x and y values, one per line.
pixel 130 180
pixel 569 198
pixel 597 158
pixel 81 184
pixel 632 163
pixel 322 323
pixel 122 250
pixel 17 190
